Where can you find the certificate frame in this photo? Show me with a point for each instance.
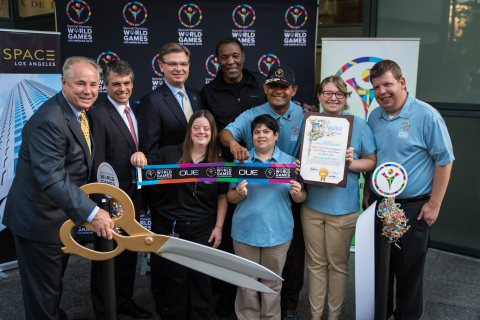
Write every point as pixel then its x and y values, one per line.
pixel 349 118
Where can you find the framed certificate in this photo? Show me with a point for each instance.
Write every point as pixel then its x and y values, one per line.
pixel 325 140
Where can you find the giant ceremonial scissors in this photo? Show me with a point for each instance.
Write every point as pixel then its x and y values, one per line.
pixel 219 264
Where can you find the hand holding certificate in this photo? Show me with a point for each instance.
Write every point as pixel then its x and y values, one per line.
pixel 325 140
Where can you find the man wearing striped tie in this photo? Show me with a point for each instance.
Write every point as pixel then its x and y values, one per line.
pixel 55 159
pixel 163 117
pixel 115 133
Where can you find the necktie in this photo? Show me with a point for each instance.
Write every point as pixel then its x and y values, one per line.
pixel 187 108
pixel 132 128
pixel 85 129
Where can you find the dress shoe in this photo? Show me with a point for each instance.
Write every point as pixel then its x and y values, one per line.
pixel 163 313
pixel 137 313
pixel 290 315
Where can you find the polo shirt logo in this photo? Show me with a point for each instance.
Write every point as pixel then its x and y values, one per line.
pixel 404 127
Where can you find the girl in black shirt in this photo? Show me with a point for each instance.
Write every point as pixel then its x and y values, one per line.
pixel 198 210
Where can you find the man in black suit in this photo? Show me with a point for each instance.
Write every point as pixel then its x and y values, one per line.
pixel 55 159
pixel 162 120
pixel 115 133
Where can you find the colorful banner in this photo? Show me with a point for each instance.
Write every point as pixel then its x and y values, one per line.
pixel 30 74
pixel 282 33
pixel 352 59
pixel 216 172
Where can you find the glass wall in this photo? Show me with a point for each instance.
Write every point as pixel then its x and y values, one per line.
pixel 449 67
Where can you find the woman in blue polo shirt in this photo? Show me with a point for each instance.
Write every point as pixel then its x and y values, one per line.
pixel 329 214
pixel 262 225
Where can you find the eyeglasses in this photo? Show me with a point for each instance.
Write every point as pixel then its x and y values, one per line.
pixel 329 94
pixel 175 64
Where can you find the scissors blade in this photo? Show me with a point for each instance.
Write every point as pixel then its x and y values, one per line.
pixel 218 272
pixel 218 258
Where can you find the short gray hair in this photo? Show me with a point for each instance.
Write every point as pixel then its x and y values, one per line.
pixel 70 62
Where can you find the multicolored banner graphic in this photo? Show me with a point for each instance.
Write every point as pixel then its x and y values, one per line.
pixel 216 172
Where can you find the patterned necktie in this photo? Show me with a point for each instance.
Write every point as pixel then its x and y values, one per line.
pixel 85 129
pixel 132 128
pixel 187 108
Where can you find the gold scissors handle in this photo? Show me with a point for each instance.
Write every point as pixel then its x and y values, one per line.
pixel 140 239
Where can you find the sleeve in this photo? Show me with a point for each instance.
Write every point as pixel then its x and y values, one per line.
pixel 223 187
pixel 233 185
pixel 240 127
pixel 438 142
pixel 367 141
pixel 47 147
pixel 100 140
pixel 157 157
pixel 149 125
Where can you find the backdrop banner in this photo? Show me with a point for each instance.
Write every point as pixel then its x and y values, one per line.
pixel 280 33
pixel 30 74
pixel 352 59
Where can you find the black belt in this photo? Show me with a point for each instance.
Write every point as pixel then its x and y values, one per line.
pixel 411 200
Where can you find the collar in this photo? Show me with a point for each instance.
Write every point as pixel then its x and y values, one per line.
pixel 175 90
pixel 76 112
pixel 277 154
pixel 249 79
pixel 120 107
pixel 404 112
pixel 287 116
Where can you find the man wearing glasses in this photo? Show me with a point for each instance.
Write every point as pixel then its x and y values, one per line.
pixel 162 121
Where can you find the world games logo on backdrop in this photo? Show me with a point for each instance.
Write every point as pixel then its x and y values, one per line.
pixel 79 13
pixel 190 16
pixel 243 17
pixel 158 80
pixel 135 14
pixel 362 87
pixel 104 58
pixel 212 66
pixel 295 17
pixel 266 62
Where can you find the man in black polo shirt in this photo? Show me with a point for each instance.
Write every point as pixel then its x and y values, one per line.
pixel 234 90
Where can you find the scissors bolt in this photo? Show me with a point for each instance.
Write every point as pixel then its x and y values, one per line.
pixel 148 240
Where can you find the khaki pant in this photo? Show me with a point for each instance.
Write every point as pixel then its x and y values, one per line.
pixel 247 304
pixel 327 242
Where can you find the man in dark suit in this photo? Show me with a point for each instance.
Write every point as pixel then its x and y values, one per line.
pixel 115 133
pixel 162 120
pixel 55 159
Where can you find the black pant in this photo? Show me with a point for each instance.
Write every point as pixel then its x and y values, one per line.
pixel 293 271
pixel 406 264
pixel 42 266
pixel 125 268
pixel 188 293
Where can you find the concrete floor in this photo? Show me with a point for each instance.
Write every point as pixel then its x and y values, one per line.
pixel 451 291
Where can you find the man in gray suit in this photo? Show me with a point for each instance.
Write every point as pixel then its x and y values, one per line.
pixel 55 159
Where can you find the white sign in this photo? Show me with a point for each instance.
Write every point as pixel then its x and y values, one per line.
pixel 353 58
pixel 106 174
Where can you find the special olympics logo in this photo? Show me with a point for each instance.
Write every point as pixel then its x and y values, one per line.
pixel 267 60
pixel 192 12
pixel 212 61
pixel 279 73
pixel 389 179
pixel 405 126
pixel 107 57
pixel 80 10
pixel 270 173
pixel 247 15
pixel 137 10
pixel 298 103
pixel 211 172
pixel 295 131
pixel 150 174
pixel 367 95
pixel 296 14
pixel 155 64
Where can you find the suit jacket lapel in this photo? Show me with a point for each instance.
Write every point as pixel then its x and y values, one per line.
pixel 172 103
pixel 118 120
pixel 193 100
pixel 77 130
